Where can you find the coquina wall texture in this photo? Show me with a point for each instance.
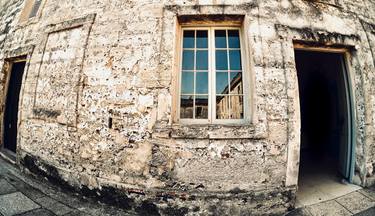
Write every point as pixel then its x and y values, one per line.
pixel 98 101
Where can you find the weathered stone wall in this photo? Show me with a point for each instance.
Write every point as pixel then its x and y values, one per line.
pixel 97 101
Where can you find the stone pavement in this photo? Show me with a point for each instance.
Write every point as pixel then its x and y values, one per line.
pixel 24 195
pixel 358 203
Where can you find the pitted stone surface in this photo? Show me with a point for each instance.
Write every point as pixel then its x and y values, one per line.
pixel 51 200
pixel 98 103
pixel 55 201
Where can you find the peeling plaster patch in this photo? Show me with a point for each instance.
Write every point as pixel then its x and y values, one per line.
pixel 60 73
pixel 146 100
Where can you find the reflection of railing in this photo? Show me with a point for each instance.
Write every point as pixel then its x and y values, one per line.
pixel 224 104
pixel 201 107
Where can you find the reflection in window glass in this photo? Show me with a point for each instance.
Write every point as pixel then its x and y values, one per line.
pixel 188 39
pixel 236 107
pixel 201 86
pixel 213 90
pixel 221 60
pixel 235 83
pixel 220 39
pixel 194 77
pixel 188 60
pixel 233 39
pixel 35 8
pixel 222 83
pixel 235 59
pixel 201 106
pixel 222 107
pixel 202 60
pixel 229 91
pixel 187 83
pixel 202 39
pixel 187 106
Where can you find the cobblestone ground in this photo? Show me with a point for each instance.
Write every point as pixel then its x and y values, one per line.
pixel 21 194
pixel 24 195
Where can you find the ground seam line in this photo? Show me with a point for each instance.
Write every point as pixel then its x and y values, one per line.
pixel 364 194
pixel 308 211
pixel 343 206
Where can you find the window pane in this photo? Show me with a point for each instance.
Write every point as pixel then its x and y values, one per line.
pixel 235 83
pixel 221 60
pixel 236 107
pixel 202 60
pixel 201 85
pixel 188 60
pixel 188 39
pixel 220 39
pixel 35 9
pixel 222 83
pixel 201 107
pixel 235 59
pixel 202 39
pixel 233 39
pixel 222 107
pixel 187 83
pixel 186 106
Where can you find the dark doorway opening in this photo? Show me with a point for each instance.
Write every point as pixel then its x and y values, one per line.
pixel 325 120
pixel 16 71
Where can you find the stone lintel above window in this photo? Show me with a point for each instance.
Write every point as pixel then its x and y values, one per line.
pixel 211 20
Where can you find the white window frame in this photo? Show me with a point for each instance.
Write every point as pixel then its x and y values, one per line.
pixel 212 77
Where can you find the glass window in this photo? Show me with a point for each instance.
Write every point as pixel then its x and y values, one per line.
pixel 202 60
pixel 221 60
pixel 30 10
pixel 187 83
pixel 202 39
pixel 35 8
pixel 189 39
pixel 201 81
pixel 211 75
pixel 220 39
pixel 188 60
pixel 233 39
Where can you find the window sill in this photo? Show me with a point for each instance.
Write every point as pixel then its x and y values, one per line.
pixel 212 131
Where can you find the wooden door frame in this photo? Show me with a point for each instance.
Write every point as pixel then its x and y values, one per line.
pixel 7 71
